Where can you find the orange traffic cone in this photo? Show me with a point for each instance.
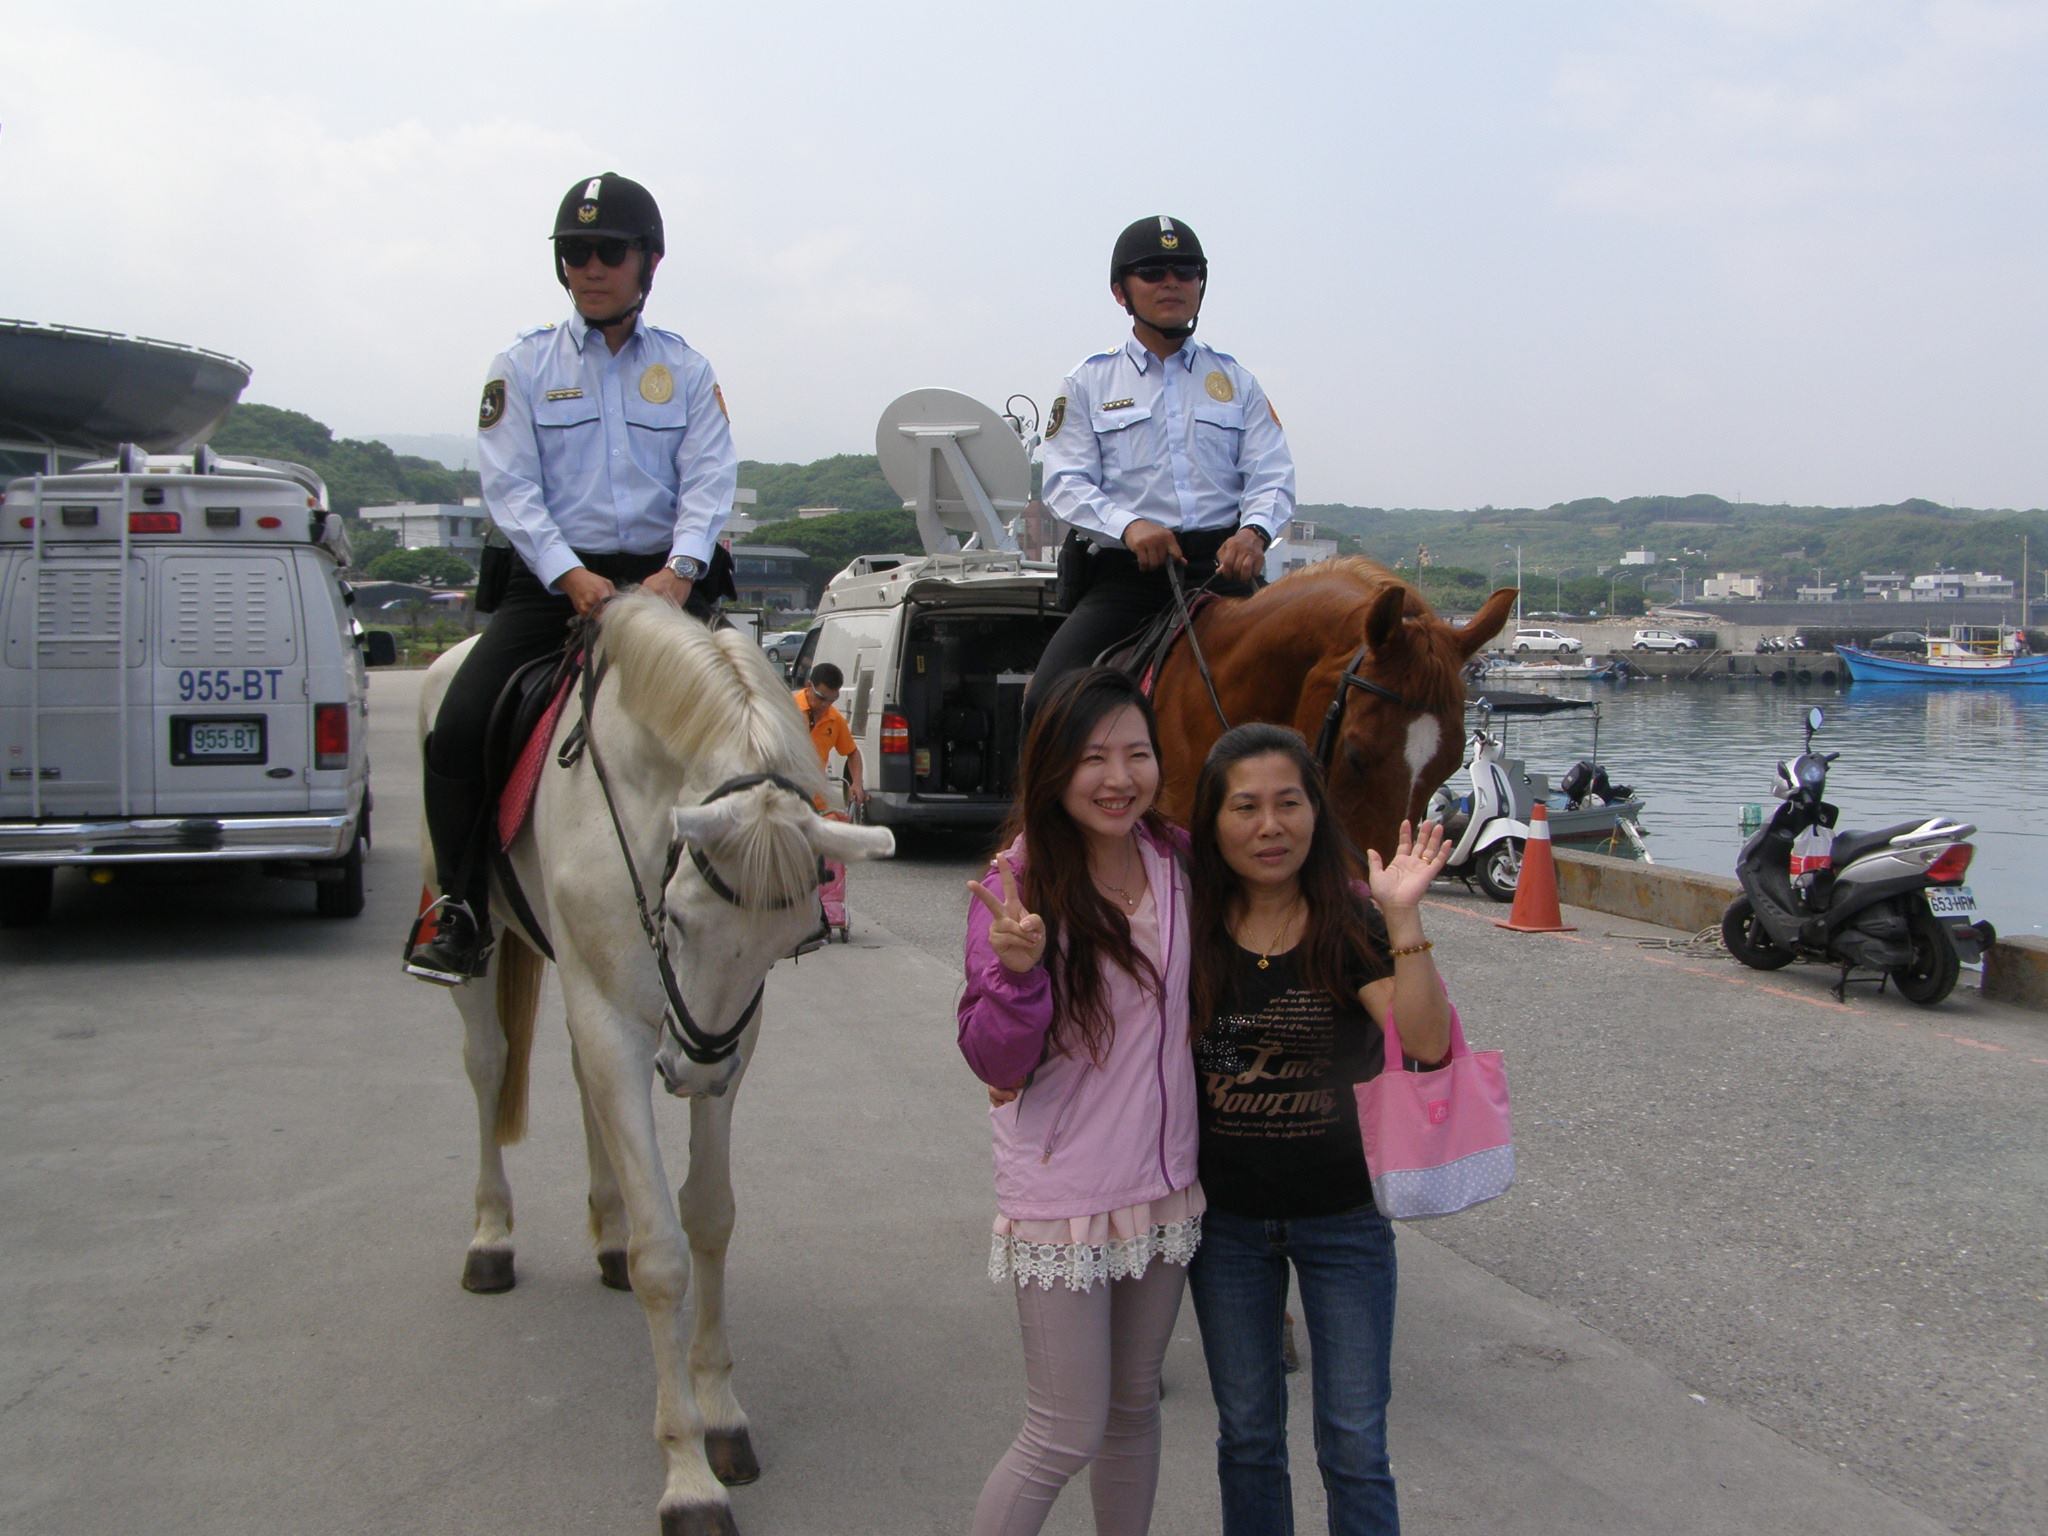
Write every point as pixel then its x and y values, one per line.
pixel 1535 909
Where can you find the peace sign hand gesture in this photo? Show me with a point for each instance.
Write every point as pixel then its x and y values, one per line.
pixel 1017 936
pixel 1403 880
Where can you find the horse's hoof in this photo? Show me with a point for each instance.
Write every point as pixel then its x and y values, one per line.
pixel 731 1454
pixel 611 1269
pixel 487 1271
pixel 699 1520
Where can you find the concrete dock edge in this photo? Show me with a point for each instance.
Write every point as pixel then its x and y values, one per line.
pixel 2015 970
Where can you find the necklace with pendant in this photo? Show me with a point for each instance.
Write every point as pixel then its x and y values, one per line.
pixel 1129 901
pixel 1266 954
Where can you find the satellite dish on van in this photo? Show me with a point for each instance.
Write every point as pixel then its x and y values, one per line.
pixel 957 464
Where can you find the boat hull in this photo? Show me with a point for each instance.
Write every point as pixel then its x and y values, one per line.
pixel 1870 667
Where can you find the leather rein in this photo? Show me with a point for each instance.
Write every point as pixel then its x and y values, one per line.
pixel 703 1046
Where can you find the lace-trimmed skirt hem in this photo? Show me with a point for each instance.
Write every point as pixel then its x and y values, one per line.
pixel 1110 1245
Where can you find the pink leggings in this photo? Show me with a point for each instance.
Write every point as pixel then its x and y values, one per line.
pixel 1091 1395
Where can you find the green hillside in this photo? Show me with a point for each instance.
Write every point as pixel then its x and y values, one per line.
pixel 358 474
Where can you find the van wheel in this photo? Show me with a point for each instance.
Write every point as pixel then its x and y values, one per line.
pixel 25 895
pixel 343 897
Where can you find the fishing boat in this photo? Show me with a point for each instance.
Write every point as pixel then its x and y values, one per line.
pixel 1493 669
pixel 1584 807
pixel 1965 653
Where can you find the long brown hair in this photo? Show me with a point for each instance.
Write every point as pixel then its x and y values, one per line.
pixel 1083 930
pixel 1336 929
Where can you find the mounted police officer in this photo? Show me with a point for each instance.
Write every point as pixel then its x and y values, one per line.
pixel 607 461
pixel 1161 451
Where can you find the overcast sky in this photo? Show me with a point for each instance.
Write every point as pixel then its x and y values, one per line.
pixel 1510 252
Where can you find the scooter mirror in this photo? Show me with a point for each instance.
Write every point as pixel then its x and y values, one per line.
pixel 1814 718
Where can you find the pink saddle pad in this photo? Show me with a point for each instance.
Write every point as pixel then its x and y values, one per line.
pixel 515 800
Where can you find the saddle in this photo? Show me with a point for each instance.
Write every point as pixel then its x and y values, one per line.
pixel 1142 654
pixel 516 741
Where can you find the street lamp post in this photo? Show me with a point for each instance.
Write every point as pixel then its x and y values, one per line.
pixel 1518 582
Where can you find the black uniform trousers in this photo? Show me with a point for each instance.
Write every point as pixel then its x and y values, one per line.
pixel 529 622
pixel 1120 600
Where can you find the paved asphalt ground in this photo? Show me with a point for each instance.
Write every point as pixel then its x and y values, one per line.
pixel 1772 1265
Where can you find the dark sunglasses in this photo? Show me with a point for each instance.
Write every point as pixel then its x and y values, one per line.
pixel 576 252
pixel 1158 274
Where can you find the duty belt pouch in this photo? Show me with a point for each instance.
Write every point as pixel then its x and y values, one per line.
pixel 493 572
pixel 1073 571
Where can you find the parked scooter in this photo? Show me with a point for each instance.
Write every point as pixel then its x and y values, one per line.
pixel 1891 901
pixel 1770 643
pixel 1486 840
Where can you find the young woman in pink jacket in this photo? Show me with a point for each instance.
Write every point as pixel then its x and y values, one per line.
pixel 1077 1001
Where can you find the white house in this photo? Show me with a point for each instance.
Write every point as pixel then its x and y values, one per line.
pixel 1297 548
pixel 434 525
pixel 1639 557
pixel 1729 584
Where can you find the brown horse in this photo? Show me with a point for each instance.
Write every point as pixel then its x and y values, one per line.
pixel 1283 655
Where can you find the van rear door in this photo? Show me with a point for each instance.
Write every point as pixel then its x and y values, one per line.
pixel 233 726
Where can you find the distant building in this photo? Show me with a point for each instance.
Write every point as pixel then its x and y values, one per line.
pixel 434 525
pixel 1826 592
pixel 1885 586
pixel 1979 584
pixel 807 513
pixel 1639 557
pixel 1298 549
pixel 769 576
pixel 1038 533
pixel 1729 584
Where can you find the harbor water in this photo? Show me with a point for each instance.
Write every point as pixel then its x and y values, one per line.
pixel 1697 752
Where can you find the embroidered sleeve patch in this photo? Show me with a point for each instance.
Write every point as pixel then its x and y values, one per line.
pixel 493 409
pixel 1059 414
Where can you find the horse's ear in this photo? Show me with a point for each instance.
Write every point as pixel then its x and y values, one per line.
pixel 701 824
pixel 1487 622
pixel 844 841
pixel 1383 619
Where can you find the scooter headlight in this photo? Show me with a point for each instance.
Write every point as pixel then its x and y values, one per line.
pixel 1812 772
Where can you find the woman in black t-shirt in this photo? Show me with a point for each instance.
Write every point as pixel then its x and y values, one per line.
pixel 1293 970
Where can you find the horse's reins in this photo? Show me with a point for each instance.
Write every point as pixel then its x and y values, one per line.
pixel 702 1046
pixel 1187 626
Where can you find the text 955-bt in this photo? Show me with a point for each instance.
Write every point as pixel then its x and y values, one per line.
pixel 228 685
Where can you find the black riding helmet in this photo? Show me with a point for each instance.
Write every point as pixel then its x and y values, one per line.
pixel 1158 241
pixel 610 207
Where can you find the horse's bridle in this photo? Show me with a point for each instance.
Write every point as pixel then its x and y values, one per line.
pixel 702 1046
pixel 1333 717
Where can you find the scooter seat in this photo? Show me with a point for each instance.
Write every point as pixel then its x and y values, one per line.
pixel 1850 846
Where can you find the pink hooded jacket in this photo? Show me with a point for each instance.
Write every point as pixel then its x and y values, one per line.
pixel 1087 1137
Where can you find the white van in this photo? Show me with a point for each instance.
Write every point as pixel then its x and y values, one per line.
pixel 182 681
pixel 936 651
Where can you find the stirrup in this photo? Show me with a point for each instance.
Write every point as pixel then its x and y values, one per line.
pixel 444 958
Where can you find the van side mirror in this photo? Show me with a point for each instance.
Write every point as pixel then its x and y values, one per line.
pixel 380 648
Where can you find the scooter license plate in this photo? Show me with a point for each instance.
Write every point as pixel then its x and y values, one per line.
pixel 1951 901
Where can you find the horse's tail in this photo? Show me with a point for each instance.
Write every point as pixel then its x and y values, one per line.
pixel 519 970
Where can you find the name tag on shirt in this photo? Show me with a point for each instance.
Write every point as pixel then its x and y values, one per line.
pixel 565 394
pixel 1118 405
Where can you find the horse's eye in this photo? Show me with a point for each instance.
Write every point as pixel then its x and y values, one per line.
pixel 1357 759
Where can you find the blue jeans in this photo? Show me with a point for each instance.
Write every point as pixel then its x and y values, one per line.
pixel 1239 1284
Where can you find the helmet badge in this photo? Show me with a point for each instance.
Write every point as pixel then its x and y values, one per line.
pixel 1169 241
pixel 587 214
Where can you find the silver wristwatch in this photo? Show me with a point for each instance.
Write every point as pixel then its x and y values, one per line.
pixel 686 568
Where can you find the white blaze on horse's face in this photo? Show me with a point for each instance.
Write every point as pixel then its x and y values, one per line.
pixel 1425 735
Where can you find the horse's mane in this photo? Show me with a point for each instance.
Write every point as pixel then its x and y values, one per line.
pixel 1437 681
pixel 712 700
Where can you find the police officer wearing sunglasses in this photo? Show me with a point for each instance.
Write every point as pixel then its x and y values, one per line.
pixel 607 461
pixel 1163 451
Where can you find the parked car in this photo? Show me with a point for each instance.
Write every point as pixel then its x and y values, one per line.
pixel 937 651
pixel 1900 640
pixel 781 645
pixel 1546 640
pixel 1663 640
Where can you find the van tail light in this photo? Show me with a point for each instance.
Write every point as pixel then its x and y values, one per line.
pixel 330 735
pixel 1950 868
pixel 895 736
pixel 155 522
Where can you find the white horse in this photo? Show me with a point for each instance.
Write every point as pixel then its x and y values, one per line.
pixel 711 776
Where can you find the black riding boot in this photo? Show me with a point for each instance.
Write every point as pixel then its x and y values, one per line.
pixel 459 923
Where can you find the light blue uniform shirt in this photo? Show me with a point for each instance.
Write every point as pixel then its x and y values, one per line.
pixel 609 454
pixel 1189 443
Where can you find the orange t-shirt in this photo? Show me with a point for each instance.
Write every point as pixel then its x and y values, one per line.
pixel 829 734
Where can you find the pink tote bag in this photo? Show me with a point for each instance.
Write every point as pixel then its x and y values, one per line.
pixel 1437 1141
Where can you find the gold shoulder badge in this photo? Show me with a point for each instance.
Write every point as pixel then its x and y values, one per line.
pixel 657 385
pixel 1220 388
pixel 1119 405
pixel 493 409
pixel 1059 414
pixel 718 394
pixel 1274 414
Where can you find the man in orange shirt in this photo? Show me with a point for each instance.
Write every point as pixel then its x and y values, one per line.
pixel 829 730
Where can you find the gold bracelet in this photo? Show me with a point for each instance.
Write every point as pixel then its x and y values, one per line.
pixel 1413 949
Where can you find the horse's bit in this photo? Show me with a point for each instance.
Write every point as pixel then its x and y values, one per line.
pixel 702 1046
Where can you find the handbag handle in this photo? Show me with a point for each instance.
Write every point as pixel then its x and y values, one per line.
pixel 1390 1034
